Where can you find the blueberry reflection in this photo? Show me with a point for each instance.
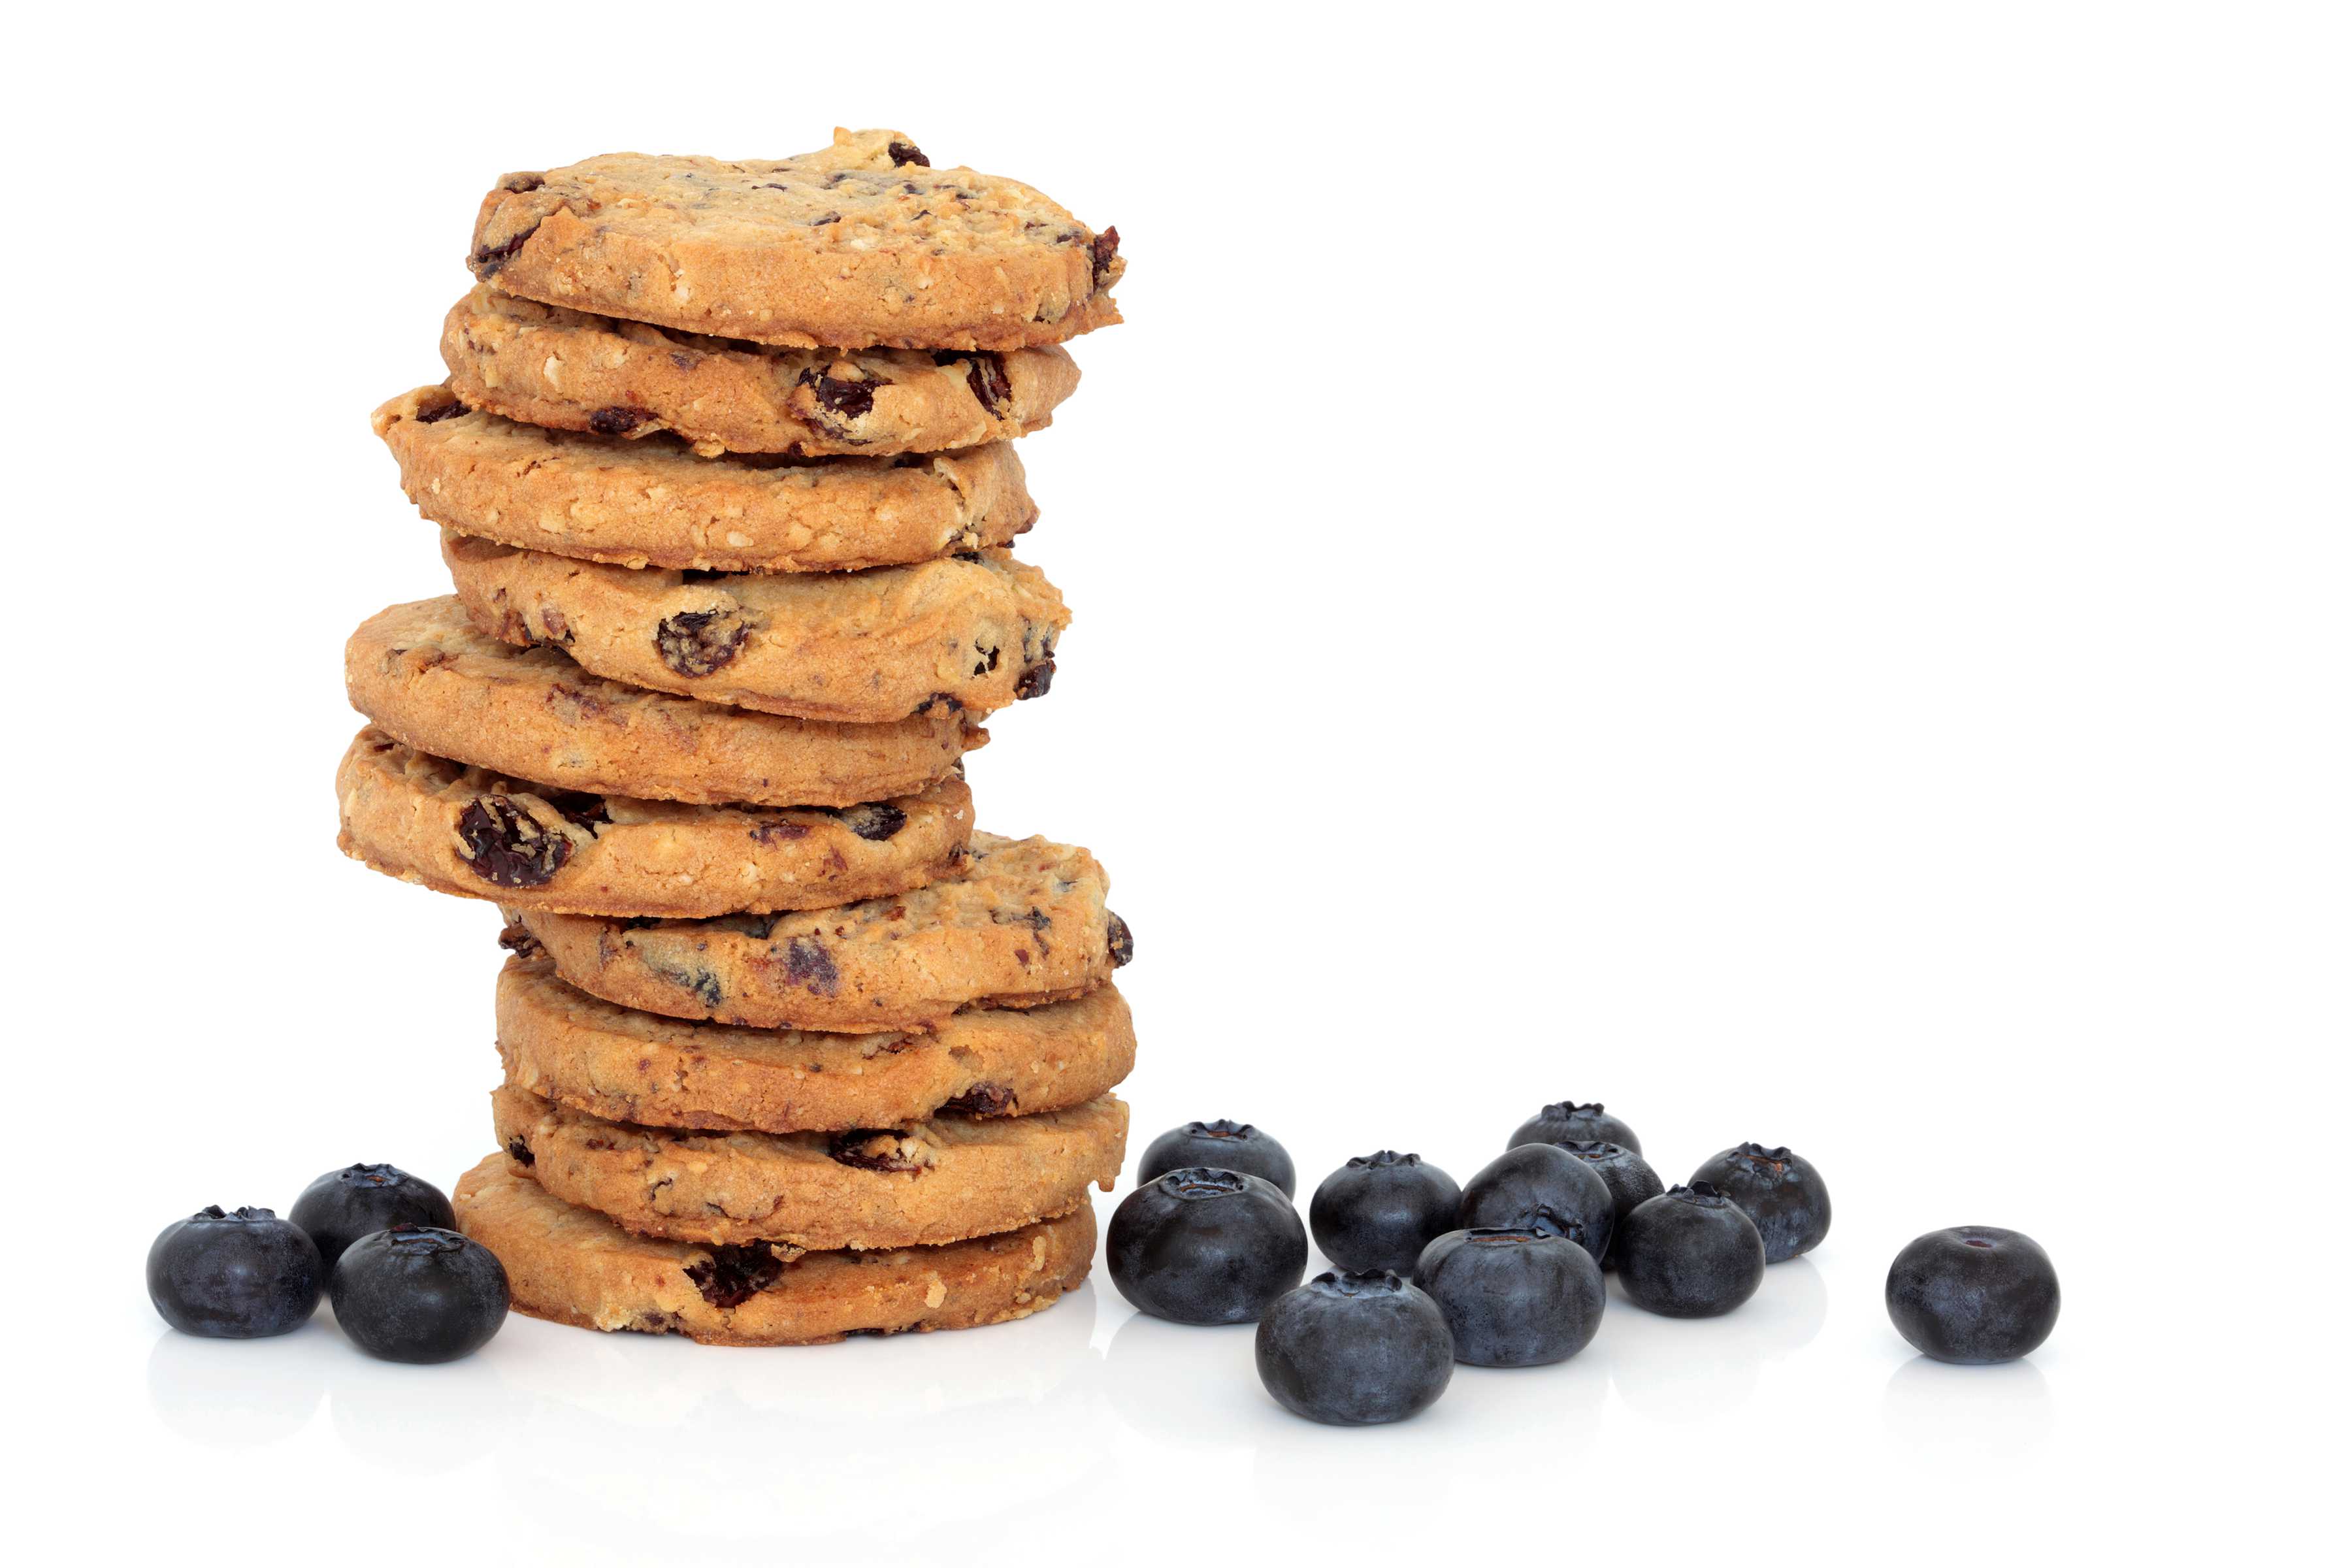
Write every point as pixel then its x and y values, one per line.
pixel 1966 1412
pixel 240 1393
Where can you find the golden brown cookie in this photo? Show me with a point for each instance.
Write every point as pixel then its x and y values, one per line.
pixel 572 1265
pixel 975 632
pixel 622 1064
pixel 653 503
pixel 481 834
pixel 430 680
pixel 859 245
pixel 1020 925
pixel 573 371
pixel 919 1185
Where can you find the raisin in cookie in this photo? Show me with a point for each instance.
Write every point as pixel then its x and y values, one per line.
pixel 572 1265
pixel 972 632
pixel 481 834
pixel 914 1185
pixel 430 680
pixel 622 1064
pixel 653 503
pixel 573 371
pixel 1020 924
pixel 861 244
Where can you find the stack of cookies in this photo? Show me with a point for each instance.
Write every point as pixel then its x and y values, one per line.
pixel 725 475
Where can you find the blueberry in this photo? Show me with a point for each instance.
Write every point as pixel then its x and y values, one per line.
pixel 1540 1176
pixel 241 1276
pixel 1355 1350
pixel 1780 1191
pixel 1689 1253
pixel 1378 1211
pixel 419 1293
pixel 343 1205
pixel 1973 1294
pixel 1629 1179
pixel 1221 1146
pixel 1569 1123
pixel 1205 1245
pixel 1519 1296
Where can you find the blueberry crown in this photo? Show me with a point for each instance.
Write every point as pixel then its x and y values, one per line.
pixel 241 1215
pixel 1570 1107
pixel 420 1238
pixel 1203 1181
pixel 1541 1223
pixel 1757 1153
pixel 1701 1193
pixel 1220 1128
pixel 1380 1282
pixel 373 1176
pixel 1594 1149
pixel 1383 1158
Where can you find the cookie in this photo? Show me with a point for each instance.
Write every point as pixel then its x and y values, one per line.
pixel 573 371
pixel 861 244
pixel 565 1045
pixel 975 632
pixel 653 503
pixel 481 834
pixel 572 1265
pixel 430 681
pixel 1020 924
pixel 915 1185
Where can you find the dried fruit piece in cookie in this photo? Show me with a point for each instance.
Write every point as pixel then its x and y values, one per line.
pixel 862 244
pixel 975 632
pixel 653 503
pixel 572 1265
pixel 573 371
pixel 1023 923
pixel 624 1065
pixel 917 1184
pixel 430 681
pixel 483 835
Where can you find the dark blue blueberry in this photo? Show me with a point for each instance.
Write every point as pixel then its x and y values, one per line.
pixel 1629 1178
pixel 1221 1146
pixel 236 1276
pixel 1973 1294
pixel 1569 1123
pixel 1378 1211
pixel 1355 1350
pixel 1534 1176
pixel 419 1293
pixel 1780 1191
pixel 343 1205
pixel 1519 1296
pixel 1689 1253
pixel 1205 1245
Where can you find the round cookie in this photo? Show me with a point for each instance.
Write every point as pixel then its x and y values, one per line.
pixel 572 1265
pixel 862 244
pixel 653 503
pixel 970 631
pixel 573 371
pixel 481 834
pixel 917 1186
pixel 565 1045
pixel 430 680
pixel 1020 924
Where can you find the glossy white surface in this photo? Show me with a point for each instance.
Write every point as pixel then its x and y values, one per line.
pixel 1783 568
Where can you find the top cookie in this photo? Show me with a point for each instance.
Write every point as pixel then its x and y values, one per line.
pixel 862 245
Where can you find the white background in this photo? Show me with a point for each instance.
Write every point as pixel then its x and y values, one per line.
pixel 1781 567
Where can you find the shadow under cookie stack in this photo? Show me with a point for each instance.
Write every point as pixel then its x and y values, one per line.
pixel 725 474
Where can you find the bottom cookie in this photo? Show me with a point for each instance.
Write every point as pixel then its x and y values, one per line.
pixel 572 1265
